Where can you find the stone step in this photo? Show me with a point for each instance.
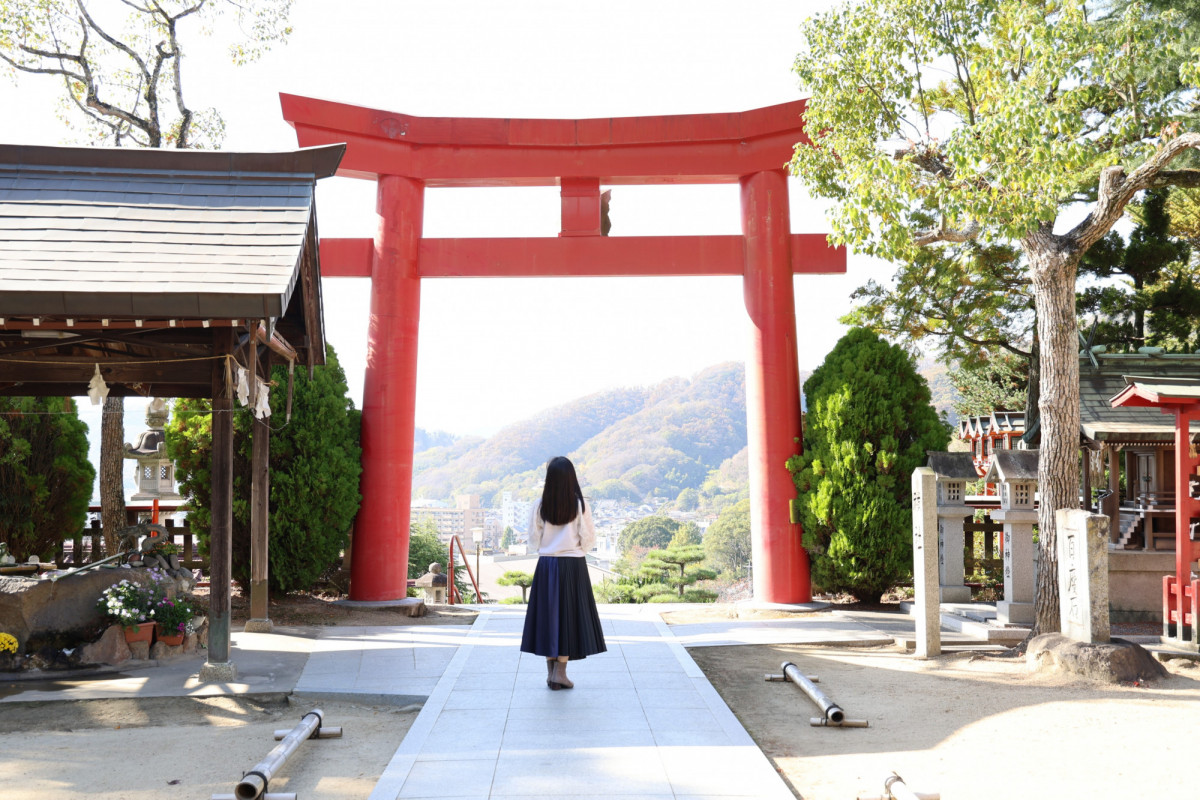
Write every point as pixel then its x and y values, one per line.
pixel 976 620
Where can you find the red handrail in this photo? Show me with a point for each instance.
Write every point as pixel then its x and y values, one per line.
pixel 451 589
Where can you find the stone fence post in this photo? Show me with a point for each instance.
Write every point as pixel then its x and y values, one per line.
pixel 1083 574
pixel 925 563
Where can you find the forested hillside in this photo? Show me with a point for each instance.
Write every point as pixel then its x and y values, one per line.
pixel 625 442
pixel 678 436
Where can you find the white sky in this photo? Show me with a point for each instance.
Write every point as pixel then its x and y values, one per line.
pixel 480 338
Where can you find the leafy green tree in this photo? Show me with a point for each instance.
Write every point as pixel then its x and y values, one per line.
pixel 727 541
pixel 425 548
pixel 946 124
pixel 869 426
pixel 506 541
pixel 688 500
pixel 647 532
pixel 680 563
pixel 314 470
pixel 517 578
pixel 45 476
pixel 686 534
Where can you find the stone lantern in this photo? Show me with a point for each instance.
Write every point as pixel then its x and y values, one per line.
pixel 953 471
pixel 155 470
pixel 1016 472
pixel 433 583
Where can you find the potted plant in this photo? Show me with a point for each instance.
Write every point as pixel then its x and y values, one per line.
pixel 128 604
pixel 173 614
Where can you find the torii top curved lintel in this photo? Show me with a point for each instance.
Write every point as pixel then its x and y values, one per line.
pixel 462 151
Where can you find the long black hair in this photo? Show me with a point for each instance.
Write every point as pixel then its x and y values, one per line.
pixel 562 499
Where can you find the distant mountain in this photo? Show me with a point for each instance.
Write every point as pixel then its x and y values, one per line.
pixel 425 440
pixel 624 442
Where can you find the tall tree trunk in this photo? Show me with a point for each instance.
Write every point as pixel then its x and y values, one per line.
pixel 112 462
pixel 1053 269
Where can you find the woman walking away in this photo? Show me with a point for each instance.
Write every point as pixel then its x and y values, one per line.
pixel 561 623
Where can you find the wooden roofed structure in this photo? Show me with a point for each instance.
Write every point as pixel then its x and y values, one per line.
pixel 128 258
pixel 161 270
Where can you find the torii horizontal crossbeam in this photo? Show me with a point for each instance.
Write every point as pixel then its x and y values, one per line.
pixel 596 256
pixel 456 151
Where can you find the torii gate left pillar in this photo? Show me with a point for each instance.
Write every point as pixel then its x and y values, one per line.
pixel 406 154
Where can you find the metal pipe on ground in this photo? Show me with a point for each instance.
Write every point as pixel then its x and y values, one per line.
pixel 894 788
pixel 832 714
pixel 253 784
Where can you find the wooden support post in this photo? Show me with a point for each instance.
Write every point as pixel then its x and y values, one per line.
pixel 219 667
pixel 1111 507
pixel 1086 461
pixel 260 490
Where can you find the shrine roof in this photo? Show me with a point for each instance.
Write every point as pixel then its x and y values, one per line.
pixel 136 261
pixel 1013 465
pixel 1101 384
pixel 956 466
pixel 153 233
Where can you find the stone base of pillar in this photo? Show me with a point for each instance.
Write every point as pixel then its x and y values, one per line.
pixel 955 594
pixel 218 672
pixel 1016 613
pixel 259 626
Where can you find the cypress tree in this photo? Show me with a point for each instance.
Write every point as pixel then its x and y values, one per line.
pixel 45 476
pixel 314 471
pixel 869 426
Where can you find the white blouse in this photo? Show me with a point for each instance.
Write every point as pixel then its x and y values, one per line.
pixel 575 538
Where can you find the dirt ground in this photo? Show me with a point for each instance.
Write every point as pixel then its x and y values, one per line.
pixel 186 748
pixel 965 726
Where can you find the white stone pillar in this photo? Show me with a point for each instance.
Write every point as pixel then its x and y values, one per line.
pixel 951 541
pixel 1017 605
pixel 1082 540
pixel 925 563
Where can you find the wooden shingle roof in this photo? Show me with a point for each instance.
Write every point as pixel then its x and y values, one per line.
pixel 1100 422
pixel 155 266
pixel 91 231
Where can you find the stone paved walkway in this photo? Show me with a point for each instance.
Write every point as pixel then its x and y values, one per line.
pixel 642 721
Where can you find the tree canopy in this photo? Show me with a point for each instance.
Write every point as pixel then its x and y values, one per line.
pixel 648 532
pixel 727 541
pixel 967 125
pixel 121 63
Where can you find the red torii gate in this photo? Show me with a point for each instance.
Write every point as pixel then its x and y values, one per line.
pixel 405 154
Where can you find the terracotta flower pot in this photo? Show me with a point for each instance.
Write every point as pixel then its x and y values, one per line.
pixel 174 641
pixel 142 632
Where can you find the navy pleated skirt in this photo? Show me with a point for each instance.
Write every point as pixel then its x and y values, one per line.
pixel 561 619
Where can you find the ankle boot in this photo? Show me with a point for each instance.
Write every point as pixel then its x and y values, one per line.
pixel 550 662
pixel 559 679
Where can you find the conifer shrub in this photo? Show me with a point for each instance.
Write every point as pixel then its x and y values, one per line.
pixel 45 476
pixel 869 425
pixel 314 468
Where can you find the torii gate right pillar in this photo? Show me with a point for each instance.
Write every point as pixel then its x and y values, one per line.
pixel 781 569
